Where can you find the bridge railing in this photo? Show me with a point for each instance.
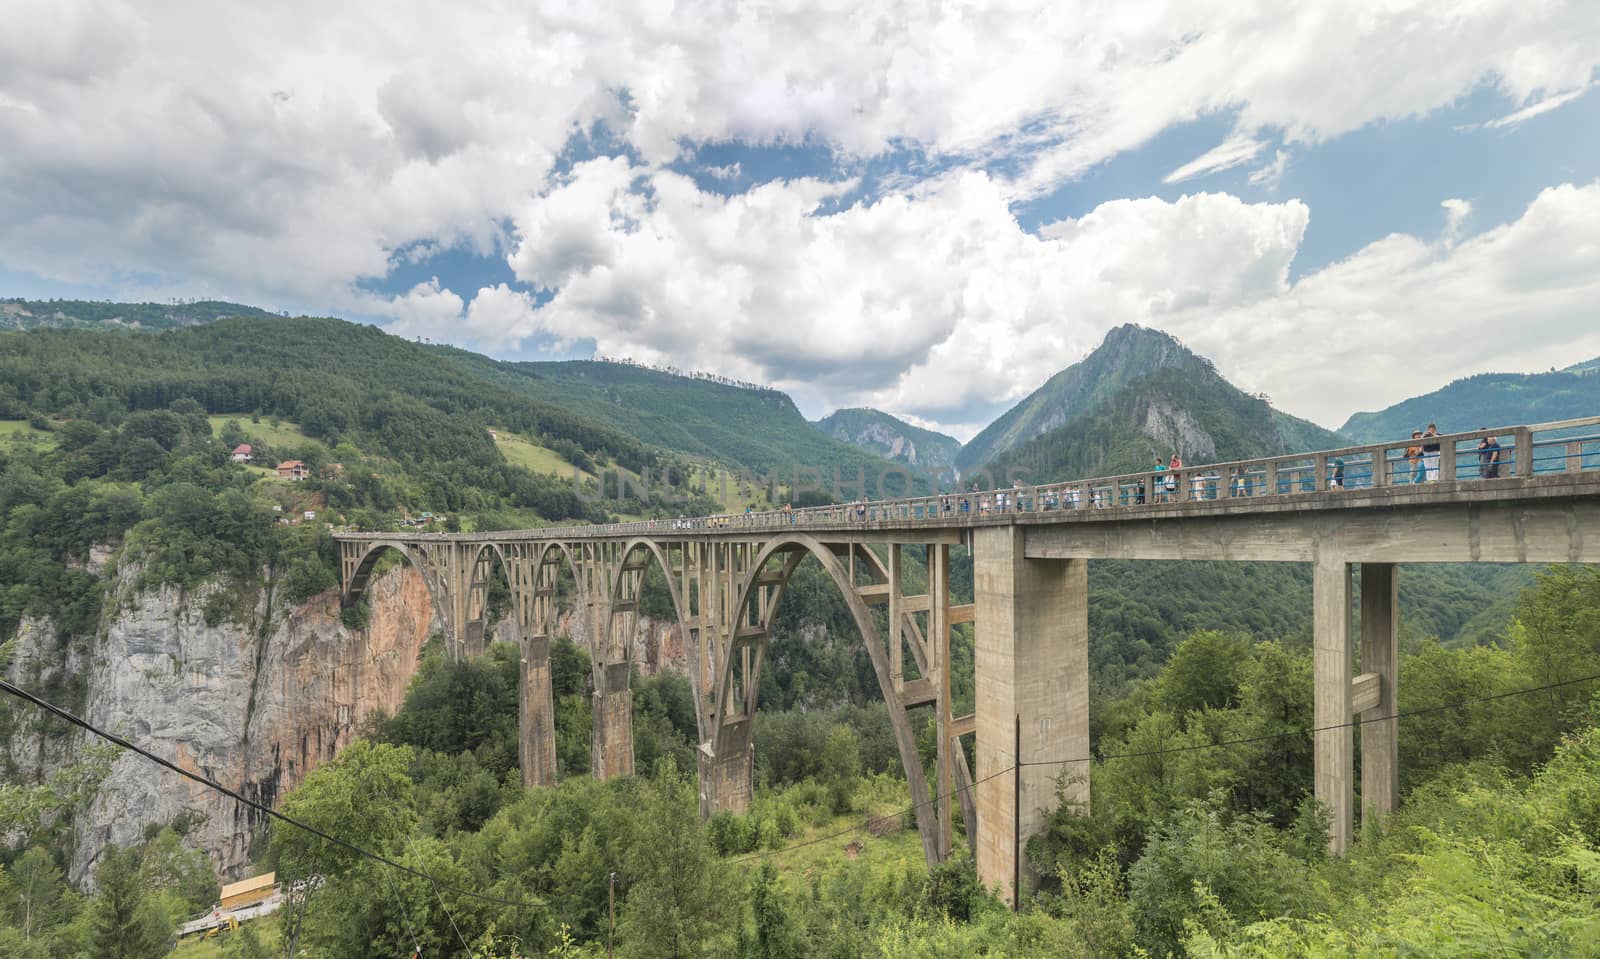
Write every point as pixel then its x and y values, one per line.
pixel 1567 446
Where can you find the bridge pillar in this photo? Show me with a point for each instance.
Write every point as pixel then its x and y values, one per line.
pixel 1333 741
pixel 536 725
pixel 1380 657
pixel 1032 671
pixel 611 744
pixel 727 775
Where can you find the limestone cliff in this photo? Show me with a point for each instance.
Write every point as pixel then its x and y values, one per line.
pixel 890 437
pixel 253 704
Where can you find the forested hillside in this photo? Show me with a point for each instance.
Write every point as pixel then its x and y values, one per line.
pixel 1490 399
pixel 891 437
pixel 739 425
pixel 1193 412
pixel 130 438
pixel 1127 353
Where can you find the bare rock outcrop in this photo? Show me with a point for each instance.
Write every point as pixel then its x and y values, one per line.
pixel 254 704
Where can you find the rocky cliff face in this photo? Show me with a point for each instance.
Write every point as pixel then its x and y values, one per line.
pixel 256 704
pixel 890 437
pixel 38 660
pixel 1175 428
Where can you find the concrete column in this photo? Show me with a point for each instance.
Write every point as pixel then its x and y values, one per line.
pixel 1380 654
pixel 1332 748
pixel 472 643
pixel 611 745
pixel 536 723
pixel 1032 662
pixel 727 775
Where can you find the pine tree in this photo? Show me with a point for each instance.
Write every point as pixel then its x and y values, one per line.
pixel 126 926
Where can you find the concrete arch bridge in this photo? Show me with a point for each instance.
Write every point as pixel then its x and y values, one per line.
pixel 1534 497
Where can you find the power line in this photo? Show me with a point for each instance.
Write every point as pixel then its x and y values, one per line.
pixel 7 686
pixel 413 847
pixel 209 783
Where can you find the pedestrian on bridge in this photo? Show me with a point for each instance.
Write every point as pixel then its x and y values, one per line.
pixel 1414 458
pixel 1489 458
pixel 1430 453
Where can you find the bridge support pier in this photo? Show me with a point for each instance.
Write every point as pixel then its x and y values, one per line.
pixel 1332 744
pixel 727 777
pixel 1339 697
pixel 1380 660
pixel 1032 665
pixel 611 744
pixel 536 726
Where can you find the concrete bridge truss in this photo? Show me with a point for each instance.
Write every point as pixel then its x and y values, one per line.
pixel 1362 510
pixel 725 591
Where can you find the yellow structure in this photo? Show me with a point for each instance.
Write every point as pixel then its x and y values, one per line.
pixel 247 891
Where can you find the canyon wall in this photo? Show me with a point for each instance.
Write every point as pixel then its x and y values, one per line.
pixel 254 702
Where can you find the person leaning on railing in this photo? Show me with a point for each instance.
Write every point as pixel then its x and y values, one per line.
pixel 1489 458
pixel 1414 461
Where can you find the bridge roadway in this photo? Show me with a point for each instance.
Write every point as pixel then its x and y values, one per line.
pixel 1368 508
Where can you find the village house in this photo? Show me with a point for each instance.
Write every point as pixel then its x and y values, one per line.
pixel 293 470
pixel 242 453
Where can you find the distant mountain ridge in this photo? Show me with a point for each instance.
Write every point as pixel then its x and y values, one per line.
pixel 891 437
pixel 1488 399
pixel 757 429
pixel 1126 354
pixel 1141 395
pixel 19 314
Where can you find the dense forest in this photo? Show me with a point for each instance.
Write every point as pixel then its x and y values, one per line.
pixel 758 430
pixel 1201 839
pixel 1487 400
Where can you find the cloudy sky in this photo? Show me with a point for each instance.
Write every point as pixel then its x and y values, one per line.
pixel 925 207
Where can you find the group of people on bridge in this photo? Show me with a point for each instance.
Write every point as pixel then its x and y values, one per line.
pixel 1167 480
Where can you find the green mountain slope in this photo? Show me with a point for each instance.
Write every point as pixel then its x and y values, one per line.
pixel 1592 366
pixel 16 314
pixel 890 437
pixel 1490 399
pixel 743 427
pixel 1128 353
pixel 1184 406
pixel 424 422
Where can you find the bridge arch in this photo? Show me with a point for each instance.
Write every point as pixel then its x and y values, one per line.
pixel 356 580
pixel 796 546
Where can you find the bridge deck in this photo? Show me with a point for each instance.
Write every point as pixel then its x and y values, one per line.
pixel 1546 461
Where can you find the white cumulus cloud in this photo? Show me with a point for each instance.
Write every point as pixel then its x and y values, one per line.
pixel 286 151
pixel 942 308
